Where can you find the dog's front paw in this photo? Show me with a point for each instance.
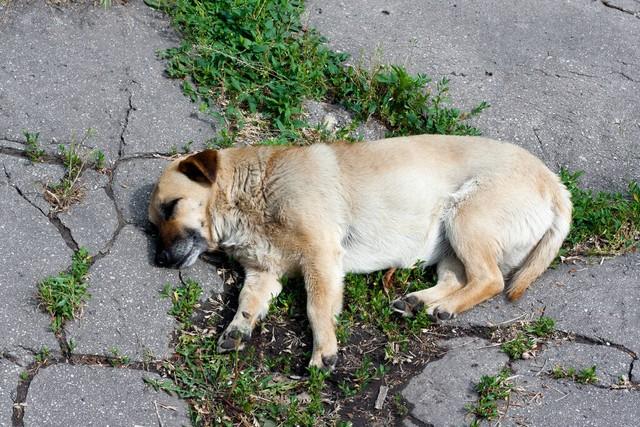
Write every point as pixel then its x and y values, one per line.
pixel 408 305
pixel 325 362
pixel 233 339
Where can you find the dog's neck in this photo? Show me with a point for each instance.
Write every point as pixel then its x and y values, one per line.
pixel 240 208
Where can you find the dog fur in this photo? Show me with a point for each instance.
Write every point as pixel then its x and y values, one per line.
pixel 483 211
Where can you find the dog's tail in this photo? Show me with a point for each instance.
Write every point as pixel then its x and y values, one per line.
pixel 547 248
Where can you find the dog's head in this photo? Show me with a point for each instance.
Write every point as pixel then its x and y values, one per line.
pixel 180 209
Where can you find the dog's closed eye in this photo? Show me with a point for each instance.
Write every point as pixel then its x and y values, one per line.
pixel 168 209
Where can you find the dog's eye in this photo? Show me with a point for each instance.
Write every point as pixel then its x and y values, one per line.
pixel 167 209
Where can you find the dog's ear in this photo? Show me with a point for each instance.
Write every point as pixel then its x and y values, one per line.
pixel 200 167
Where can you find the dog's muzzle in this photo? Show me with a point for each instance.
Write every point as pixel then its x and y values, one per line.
pixel 183 251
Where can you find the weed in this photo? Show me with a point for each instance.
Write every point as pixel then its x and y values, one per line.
pixel 173 151
pixel 603 223
pixel 117 358
pixel 75 157
pixel 34 152
pixel 400 405
pixel 71 345
pixel 43 355
pixel 367 300
pixel 527 337
pixel 99 159
pixel 584 376
pixel 24 375
pixel 223 140
pixel 518 346
pixel 255 56
pixel 186 148
pixel 184 298
pixel 491 390
pixel 542 327
pixel 62 296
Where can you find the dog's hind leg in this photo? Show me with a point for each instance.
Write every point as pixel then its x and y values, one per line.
pixel 253 304
pixel 451 277
pixel 473 231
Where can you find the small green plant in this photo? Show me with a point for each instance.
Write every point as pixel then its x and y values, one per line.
pixel 99 159
pixel 223 140
pixel 584 376
pixel 528 336
pixel 603 223
pixel 118 359
pixel 491 391
pixel 184 299
pixel 24 375
pixel 34 152
pixel 518 346
pixel 74 158
pixel 173 151
pixel 63 296
pixel 542 327
pixel 71 345
pixel 186 148
pixel 43 355
pixel 400 405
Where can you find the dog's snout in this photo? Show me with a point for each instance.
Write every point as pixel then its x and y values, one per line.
pixel 162 258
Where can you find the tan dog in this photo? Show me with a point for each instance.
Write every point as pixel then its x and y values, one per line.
pixel 480 209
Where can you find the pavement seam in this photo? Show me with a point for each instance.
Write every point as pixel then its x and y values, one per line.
pixel 610 5
pixel 22 389
pixel 598 341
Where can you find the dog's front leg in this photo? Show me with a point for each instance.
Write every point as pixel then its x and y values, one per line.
pixel 257 292
pixel 323 277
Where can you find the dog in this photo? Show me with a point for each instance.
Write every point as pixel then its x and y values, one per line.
pixel 483 211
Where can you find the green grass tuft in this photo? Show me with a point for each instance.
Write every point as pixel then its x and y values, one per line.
pixel 63 296
pixel 518 346
pixel 542 327
pixel 184 298
pixel 254 56
pixel 530 334
pixel 34 152
pixel 603 223
pixel 491 390
pixel 584 376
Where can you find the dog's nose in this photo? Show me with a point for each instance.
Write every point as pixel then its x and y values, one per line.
pixel 162 258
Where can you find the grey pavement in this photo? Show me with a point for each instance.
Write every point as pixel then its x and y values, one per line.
pixel 562 79
pixel 66 395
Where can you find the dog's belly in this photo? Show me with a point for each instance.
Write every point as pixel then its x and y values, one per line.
pixel 370 249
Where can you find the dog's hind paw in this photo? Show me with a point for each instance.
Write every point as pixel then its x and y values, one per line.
pixel 232 340
pixel 439 314
pixel 407 306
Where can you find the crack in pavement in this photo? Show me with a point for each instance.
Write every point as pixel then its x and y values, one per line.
pixel 626 76
pixel 610 5
pixel 127 116
pixel 64 231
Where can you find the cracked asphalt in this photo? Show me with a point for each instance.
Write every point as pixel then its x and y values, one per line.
pixel 563 80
